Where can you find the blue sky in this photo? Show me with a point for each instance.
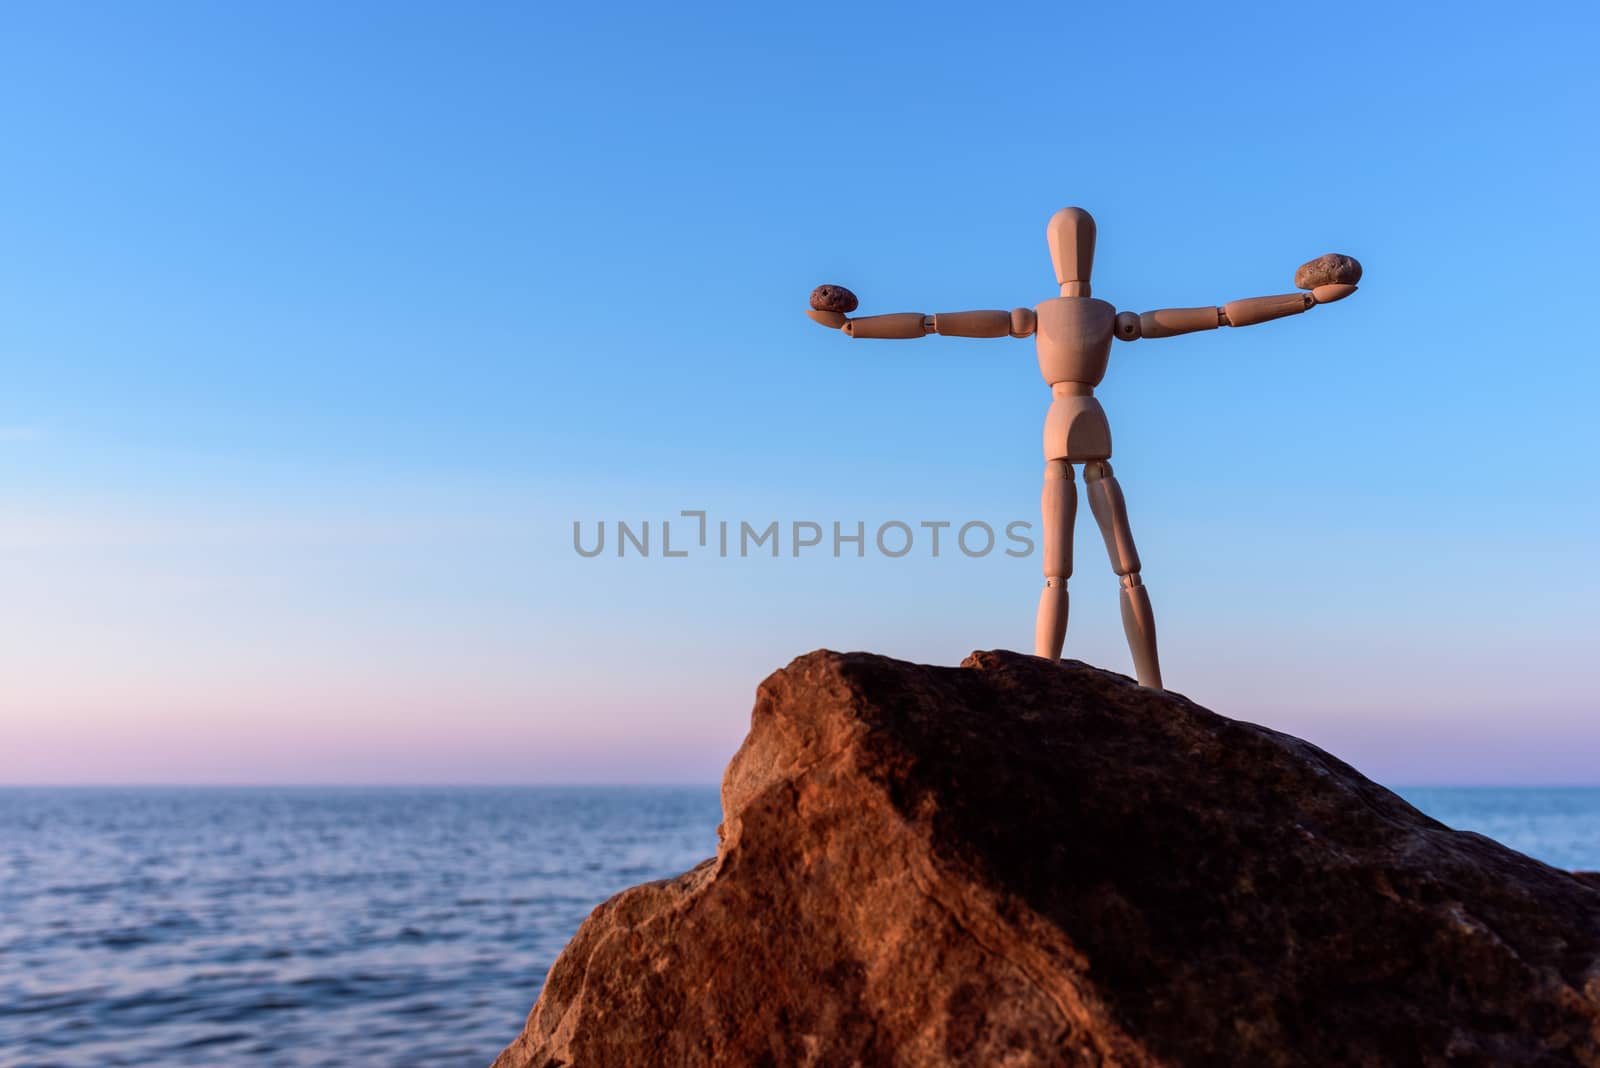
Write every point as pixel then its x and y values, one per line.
pixel 320 326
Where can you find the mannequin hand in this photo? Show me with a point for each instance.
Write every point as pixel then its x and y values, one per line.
pixel 1333 291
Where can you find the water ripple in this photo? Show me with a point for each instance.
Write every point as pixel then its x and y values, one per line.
pixel 307 927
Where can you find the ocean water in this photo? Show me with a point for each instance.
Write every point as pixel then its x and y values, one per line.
pixel 382 927
pixel 1560 826
pixel 385 927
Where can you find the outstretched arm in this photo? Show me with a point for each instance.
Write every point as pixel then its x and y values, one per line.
pixel 829 305
pixel 1328 278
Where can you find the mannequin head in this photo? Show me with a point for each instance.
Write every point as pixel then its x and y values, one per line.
pixel 1070 233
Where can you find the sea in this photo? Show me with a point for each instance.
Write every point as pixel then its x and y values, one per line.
pixel 379 926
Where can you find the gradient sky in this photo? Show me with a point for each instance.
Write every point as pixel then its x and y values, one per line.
pixel 320 325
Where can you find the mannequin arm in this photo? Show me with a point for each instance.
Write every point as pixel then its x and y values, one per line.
pixel 1328 278
pixel 829 304
pixel 915 324
pixel 1170 322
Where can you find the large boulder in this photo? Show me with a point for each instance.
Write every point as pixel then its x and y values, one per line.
pixel 1025 863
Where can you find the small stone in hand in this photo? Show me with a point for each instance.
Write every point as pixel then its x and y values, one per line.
pixel 839 299
pixel 1332 269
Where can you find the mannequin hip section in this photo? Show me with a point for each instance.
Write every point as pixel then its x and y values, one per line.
pixel 1075 428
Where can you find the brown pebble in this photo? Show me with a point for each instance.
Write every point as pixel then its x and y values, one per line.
pixel 840 299
pixel 1332 269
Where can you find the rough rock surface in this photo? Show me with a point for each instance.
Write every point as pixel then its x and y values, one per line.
pixel 1332 269
pixel 1018 863
pixel 828 298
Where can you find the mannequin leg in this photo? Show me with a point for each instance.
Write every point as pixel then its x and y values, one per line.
pixel 1138 620
pixel 1059 504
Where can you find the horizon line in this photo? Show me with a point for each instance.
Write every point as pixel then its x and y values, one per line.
pixel 640 785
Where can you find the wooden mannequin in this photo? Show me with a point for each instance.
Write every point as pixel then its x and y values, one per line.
pixel 1073 334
